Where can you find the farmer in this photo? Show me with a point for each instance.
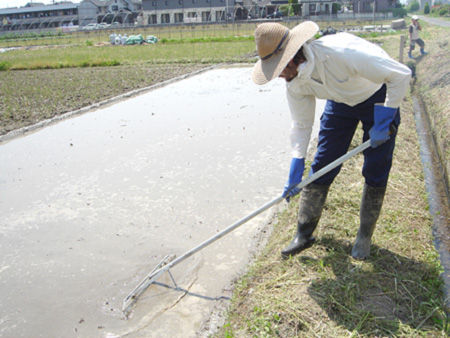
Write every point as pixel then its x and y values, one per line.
pixel 361 83
pixel 414 29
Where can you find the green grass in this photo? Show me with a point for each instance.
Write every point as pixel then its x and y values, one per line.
pixel 110 55
pixel 323 292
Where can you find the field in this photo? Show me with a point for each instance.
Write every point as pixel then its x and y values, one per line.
pixel 45 81
pixel 45 76
pixel 398 292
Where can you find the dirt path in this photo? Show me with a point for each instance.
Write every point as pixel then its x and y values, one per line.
pixel 435 21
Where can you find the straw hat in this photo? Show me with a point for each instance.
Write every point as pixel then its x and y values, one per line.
pixel 276 46
pixel 415 17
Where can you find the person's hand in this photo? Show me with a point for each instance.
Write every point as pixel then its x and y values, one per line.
pixel 379 133
pixel 295 177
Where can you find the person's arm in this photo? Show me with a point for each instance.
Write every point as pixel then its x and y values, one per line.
pixel 302 109
pixel 302 113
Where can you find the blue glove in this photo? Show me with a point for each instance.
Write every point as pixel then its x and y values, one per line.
pixel 379 133
pixel 295 177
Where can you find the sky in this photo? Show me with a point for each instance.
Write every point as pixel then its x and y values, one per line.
pixel 21 3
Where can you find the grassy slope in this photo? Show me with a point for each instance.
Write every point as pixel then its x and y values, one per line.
pixel 323 292
pixel 433 73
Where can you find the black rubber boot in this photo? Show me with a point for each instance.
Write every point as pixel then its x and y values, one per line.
pixel 371 203
pixel 312 200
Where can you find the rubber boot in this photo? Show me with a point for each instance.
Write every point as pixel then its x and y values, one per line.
pixel 422 51
pixel 371 203
pixel 410 55
pixel 312 200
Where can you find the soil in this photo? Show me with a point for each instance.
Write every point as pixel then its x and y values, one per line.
pixel 32 96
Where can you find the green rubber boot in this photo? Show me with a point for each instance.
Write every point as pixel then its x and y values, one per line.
pixel 312 200
pixel 371 203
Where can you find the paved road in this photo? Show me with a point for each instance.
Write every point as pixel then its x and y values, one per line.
pixel 435 21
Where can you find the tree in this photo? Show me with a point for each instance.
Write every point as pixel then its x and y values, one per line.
pixel 399 11
pixel 414 6
pixel 426 9
pixel 284 9
pixel 336 8
pixel 295 7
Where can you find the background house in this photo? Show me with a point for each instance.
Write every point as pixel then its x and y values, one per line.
pixel 97 11
pixel 88 13
pixel 39 16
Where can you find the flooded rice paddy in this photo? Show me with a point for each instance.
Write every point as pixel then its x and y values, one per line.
pixel 89 206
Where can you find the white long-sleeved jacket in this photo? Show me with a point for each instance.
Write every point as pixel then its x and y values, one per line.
pixel 345 69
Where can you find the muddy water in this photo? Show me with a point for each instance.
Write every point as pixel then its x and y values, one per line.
pixel 90 205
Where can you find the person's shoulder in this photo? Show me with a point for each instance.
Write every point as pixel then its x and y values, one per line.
pixel 341 45
pixel 338 38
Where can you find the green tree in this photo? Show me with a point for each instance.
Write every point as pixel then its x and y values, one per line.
pixel 426 9
pixel 414 6
pixel 399 11
pixel 294 7
pixel 284 9
pixel 336 8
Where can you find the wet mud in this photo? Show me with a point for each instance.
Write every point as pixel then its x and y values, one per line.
pixel 90 205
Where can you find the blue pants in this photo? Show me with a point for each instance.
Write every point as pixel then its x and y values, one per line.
pixel 337 127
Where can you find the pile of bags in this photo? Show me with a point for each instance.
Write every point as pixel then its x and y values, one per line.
pixel 131 40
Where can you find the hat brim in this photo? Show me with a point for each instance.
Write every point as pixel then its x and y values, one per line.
pixel 265 71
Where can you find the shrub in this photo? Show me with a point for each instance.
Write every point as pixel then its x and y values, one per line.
pixel 4 66
pixel 413 6
pixel 399 12
pixel 426 9
pixel 435 9
pixel 284 9
pixel 443 11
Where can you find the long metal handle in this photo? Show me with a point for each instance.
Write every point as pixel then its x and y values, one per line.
pixel 132 297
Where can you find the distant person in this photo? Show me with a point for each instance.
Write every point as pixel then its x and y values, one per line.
pixel 362 84
pixel 414 29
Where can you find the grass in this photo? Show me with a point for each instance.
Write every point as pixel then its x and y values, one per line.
pixel 323 292
pixel 436 97
pixel 110 55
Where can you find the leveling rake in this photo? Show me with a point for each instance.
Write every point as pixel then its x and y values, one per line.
pixel 170 261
